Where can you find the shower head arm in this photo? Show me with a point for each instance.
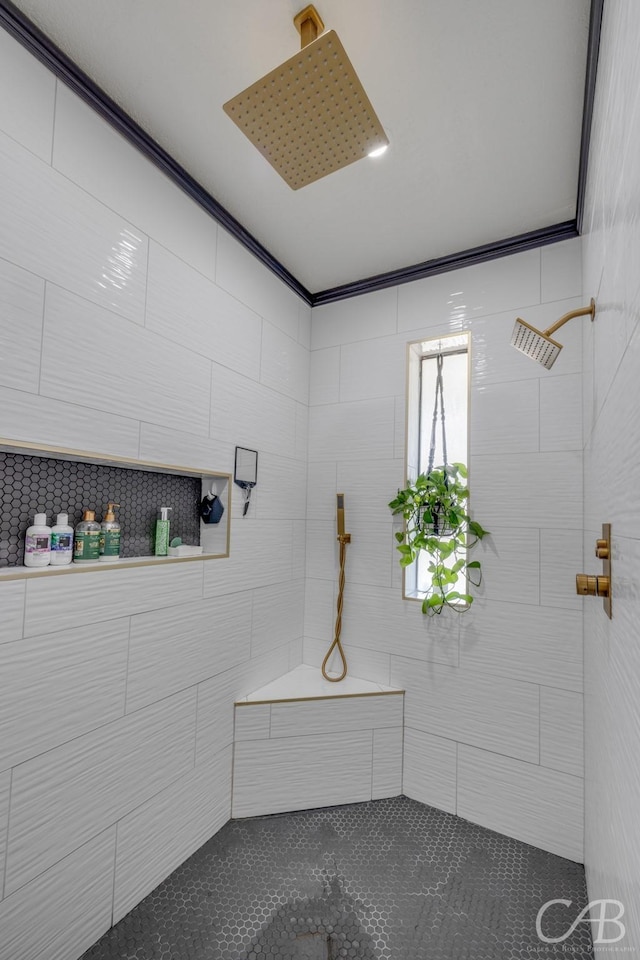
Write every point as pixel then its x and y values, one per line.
pixel 569 316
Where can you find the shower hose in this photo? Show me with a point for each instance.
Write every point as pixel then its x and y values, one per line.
pixel 343 539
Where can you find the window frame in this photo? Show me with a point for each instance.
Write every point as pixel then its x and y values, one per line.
pixel 413 402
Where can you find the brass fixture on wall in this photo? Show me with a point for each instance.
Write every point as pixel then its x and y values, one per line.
pixel 343 539
pixel 588 585
pixel 538 344
pixel 310 116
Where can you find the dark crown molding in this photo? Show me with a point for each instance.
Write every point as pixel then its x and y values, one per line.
pixel 31 37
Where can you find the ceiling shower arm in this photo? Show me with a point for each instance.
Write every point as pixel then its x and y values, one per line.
pixel 309 25
pixel 570 316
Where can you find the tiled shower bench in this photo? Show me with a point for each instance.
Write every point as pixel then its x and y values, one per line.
pixel 302 741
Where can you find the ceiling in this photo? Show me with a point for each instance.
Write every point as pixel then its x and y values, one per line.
pixel 482 103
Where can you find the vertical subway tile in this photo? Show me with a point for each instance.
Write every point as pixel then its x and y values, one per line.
pixel 12 593
pixel 561 735
pixel 27 104
pixel 5 782
pixel 430 769
pixel 21 308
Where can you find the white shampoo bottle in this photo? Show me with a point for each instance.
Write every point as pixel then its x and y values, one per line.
pixel 37 544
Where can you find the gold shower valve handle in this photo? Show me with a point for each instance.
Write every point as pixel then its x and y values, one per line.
pixel 592 586
pixel 588 585
pixel 344 538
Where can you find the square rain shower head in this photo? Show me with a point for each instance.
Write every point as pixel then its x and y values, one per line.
pixel 310 116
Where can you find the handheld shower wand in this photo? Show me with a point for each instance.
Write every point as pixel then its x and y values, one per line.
pixel 343 540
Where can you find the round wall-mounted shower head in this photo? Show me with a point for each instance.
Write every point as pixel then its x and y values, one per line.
pixel 535 344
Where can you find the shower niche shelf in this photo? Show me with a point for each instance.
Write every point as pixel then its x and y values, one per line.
pixel 41 478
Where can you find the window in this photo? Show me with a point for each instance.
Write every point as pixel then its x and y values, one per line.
pixel 422 376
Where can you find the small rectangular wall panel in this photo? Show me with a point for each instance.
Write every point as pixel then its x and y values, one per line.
pixel 159 835
pixel 60 686
pixel 5 780
pixel 299 719
pixel 12 606
pixel 386 780
pixel 299 773
pixel 530 803
pixel 429 773
pixel 66 909
pixel 253 722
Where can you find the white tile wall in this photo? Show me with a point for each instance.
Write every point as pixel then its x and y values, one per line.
pixel 25 416
pixel 146 376
pixel 373 315
pixel 511 568
pixel 72 903
pixel 278 615
pixel 64 235
pixel 58 686
pixel 176 648
pixel 190 309
pixel 561 270
pixel 12 594
pixel 126 274
pixel 26 108
pixel 5 781
pixel 92 154
pixel 612 459
pixel 486 711
pixel 362 430
pixel 449 300
pixel 62 798
pixel 118 593
pixel 248 414
pixel 430 769
pixel 271 776
pixel 284 364
pixel 21 309
pixel 324 376
pixel 531 803
pixel 524 642
pixel 386 780
pixel 561 730
pixel 241 275
pixel 158 836
pixel 333 716
pixel 252 722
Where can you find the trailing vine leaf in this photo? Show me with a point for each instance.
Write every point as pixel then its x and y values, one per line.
pixel 434 509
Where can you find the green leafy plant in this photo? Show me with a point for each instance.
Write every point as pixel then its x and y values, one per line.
pixel 434 508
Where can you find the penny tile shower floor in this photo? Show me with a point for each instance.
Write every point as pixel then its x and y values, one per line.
pixel 385 880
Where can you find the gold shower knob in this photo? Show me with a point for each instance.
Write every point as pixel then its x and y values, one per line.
pixel 602 549
pixel 592 586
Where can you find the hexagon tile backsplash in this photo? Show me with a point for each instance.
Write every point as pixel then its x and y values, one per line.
pixel 30 485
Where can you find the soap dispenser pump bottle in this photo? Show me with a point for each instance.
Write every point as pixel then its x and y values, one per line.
pixel 110 535
pixel 86 542
pixel 161 539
